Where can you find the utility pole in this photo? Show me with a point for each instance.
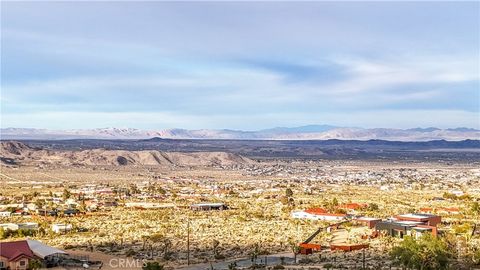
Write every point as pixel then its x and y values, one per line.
pixel 188 241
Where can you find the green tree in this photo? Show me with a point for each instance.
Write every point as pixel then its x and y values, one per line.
pixel 288 192
pixel 335 201
pixel 373 207
pixel 152 266
pixel 475 208
pixel 34 264
pixel 426 253
pixel 66 194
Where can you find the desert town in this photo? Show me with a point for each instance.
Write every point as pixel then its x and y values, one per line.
pixel 262 214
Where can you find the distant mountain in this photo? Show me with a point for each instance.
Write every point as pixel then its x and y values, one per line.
pixel 310 132
pixel 302 129
pixel 17 153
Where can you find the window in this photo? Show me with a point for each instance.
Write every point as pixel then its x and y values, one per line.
pixel 23 263
pixel 2 264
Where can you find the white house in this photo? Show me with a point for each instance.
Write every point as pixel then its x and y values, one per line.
pixel 9 226
pixel 318 216
pixel 25 226
pixel 61 228
pixel 28 226
pixel 5 214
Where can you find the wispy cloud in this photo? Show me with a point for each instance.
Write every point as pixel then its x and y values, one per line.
pixel 303 63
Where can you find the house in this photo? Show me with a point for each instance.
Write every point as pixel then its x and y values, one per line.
pixel 427 210
pixel 24 226
pixel 9 226
pixel 208 206
pixel 71 212
pixel 30 207
pixel 149 205
pixel 368 221
pixel 424 219
pixel 61 228
pixel 17 254
pixel 353 206
pixel 316 211
pixel 43 212
pixel 5 213
pixel 401 228
pixel 28 226
pixel 448 210
pixel 318 216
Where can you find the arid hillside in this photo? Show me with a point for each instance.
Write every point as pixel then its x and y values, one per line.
pixel 12 152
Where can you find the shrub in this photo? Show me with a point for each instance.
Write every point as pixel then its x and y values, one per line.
pixel 427 253
pixel 152 266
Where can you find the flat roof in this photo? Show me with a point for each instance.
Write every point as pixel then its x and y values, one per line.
pixel 408 223
pixel 421 229
pixel 208 204
pixel 401 223
pixel 417 216
pixel 367 218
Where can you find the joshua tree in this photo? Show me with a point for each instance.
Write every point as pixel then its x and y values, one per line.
pixel 215 245
pixel 66 194
pixel 288 192
pixel 254 254
pixel 295 250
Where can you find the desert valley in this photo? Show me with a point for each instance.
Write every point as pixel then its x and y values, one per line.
pixel 224 210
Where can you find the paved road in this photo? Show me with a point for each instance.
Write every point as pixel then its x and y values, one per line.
pixel 273 259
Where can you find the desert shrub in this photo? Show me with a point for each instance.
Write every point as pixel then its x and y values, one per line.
pixel 427 253
pixel 152 266
pixel 130 253
pixel 328 266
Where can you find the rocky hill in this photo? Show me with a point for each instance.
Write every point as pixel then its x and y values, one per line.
pixel 12 152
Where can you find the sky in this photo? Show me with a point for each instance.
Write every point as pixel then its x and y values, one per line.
pixel 240 65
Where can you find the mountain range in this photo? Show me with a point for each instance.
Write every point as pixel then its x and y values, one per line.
pixel 17 153
pixel 310 132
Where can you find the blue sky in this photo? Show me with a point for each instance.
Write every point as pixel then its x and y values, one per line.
pixel 240 65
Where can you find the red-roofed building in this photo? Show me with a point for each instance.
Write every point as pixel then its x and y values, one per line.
pixel 448 210
pixel 370 222
pixel 426 219
pixel 316 211
pixel 427 210
pixel 15 255
pixel 353 206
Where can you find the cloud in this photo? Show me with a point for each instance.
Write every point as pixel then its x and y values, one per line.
pixel 239 61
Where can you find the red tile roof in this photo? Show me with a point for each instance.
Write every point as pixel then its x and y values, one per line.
pixel 316 211
pixel 449 209
pixel 14 250
pixel 353 206
pixel 333 215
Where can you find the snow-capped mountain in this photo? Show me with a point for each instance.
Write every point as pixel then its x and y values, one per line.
pixel 311 132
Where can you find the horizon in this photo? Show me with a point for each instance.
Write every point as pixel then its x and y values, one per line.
pixel 240 65
pixel 250 130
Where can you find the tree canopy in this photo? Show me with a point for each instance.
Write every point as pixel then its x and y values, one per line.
pixel 426 253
